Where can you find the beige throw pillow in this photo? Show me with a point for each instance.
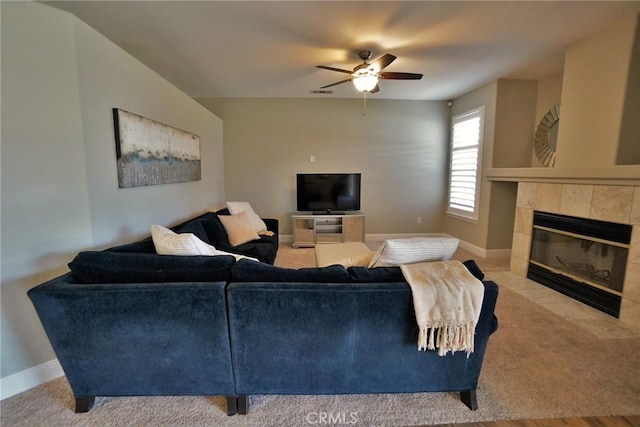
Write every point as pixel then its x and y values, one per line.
pixel 256 222
pixel 238 228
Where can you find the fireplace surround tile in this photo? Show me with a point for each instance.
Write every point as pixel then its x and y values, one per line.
pixel 634 250
pixel 630 312
pixel 635 207
pixel 632 282
pixel 612 203
pixel 521 246
pixel 519 266
pixel 526 197
pixel 523 221
pixel 548 197
pixel 576 200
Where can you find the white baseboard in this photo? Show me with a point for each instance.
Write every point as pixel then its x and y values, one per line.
pixel 382 237
pixel 476 250
pixel 288 238
pixel 29 378
pixel 485 253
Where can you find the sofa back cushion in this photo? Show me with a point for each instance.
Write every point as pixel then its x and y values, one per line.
pixel 250 271
pixel 195 227
pixel 394 274
pixel 123 267
pixel 376 274
pixel 216 234
pixel 141 246
pixel 203 227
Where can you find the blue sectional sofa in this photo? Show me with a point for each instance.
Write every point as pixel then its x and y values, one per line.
pixel 136 323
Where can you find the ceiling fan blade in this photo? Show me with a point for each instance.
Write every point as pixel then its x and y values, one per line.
pixel 375 89
pixel 382 62
pixel 340 70
pixel 400 76
pixel 336 83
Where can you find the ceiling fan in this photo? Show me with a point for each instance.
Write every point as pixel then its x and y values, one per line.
pixel 365 76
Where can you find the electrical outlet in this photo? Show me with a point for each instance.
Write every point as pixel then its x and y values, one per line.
pixel 419 220
pixel 312 158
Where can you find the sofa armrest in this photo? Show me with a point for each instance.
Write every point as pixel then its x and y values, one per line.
pixel 118 339
pixel 273 225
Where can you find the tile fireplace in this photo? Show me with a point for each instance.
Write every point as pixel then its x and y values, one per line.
pixel 581 258
pixel 599 261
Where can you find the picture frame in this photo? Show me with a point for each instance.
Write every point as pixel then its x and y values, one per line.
pixel 151 153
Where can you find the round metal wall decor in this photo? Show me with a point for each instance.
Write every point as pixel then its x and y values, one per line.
pixel 546 136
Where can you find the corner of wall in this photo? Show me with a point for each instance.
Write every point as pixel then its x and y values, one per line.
pixel 628 147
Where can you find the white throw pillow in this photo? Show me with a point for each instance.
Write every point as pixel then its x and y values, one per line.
pixel 394 252
pixel 169 243
pixel 256 222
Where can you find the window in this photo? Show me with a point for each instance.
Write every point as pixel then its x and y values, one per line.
pixel 464 178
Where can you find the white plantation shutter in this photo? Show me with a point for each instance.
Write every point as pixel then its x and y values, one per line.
pixel 466 144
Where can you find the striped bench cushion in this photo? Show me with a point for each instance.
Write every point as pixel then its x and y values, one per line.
pixel 395 252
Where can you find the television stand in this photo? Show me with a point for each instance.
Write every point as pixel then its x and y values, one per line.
pixel 323 227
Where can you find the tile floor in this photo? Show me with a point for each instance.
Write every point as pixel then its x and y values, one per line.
pixel 596 322
pixel 497 269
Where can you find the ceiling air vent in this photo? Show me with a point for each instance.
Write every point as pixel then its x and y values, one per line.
pixel 321 92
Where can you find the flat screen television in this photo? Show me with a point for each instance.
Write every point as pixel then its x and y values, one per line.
pixel 328 193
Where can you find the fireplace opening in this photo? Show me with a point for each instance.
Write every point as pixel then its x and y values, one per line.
pixel 582 258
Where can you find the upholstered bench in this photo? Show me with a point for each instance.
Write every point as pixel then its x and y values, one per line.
pixel 337 253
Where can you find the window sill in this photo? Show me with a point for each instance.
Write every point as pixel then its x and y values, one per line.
pixel 462 217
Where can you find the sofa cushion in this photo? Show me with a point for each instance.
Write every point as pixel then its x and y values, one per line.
pixel 123 267
pixel 216 233
pixel 376 274
pixel 141 246
pixel 395 252
pixel 394 274
pixel 247 271
pixel 196 228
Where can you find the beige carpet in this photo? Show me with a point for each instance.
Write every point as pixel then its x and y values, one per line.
pixel 537 365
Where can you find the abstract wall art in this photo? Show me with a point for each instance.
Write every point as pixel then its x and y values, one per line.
pixel 150 153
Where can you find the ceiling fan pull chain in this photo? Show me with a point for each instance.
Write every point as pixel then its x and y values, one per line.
pixel 364 113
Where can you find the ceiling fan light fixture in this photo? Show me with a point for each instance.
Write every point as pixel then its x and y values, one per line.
pixel 365 83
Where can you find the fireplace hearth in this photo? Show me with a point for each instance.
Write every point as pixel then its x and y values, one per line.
pixel 581 258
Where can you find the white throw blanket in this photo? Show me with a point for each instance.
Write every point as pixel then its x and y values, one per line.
pixel 447 300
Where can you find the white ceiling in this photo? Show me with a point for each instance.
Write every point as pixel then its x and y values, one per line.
pixel 270 49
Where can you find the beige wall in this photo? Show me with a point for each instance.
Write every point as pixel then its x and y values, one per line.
pixel 60 195
pixel 476 233
pixel 593 97
pixel 515 115
pixel 400 147
pixel 629 145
